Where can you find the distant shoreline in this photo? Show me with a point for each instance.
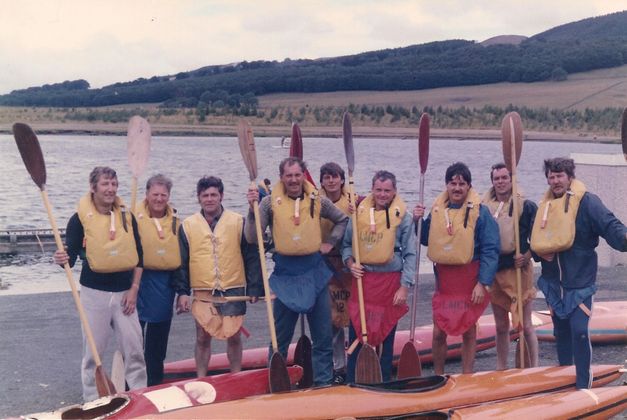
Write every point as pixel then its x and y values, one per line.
pixel 181 130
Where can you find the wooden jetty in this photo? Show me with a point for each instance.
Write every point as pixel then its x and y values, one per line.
pixel 27 241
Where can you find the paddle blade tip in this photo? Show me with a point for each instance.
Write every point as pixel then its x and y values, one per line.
pixel 423 141
pixel 409 362
pixel 279 376
pixel 367 367
pixel 512 134
pixel 30 150
pixel 349 151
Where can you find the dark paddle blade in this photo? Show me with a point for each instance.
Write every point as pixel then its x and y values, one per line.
pixel 506 135
pixel 302 358
pixel 138 145
pixel 423 142
pixel 409 362
pixel 348 142
pixel 296 145
pixel 623 133
pixel 104 386
pixel 29 148
pixel 279 376
pixel 367 367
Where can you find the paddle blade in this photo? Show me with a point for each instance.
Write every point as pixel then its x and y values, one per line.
pixel 30 150
pixel 247 148
pixel 409 362
pixel 623 133
pixel 512 135
pixel 302 358
pixel 138 145
pixel 279 376
pixel 368 368
pixel 104 386
pixel 348 142
pixel 296 145
pixel 423 142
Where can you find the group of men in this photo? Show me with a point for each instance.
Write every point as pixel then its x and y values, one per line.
pixel 143 260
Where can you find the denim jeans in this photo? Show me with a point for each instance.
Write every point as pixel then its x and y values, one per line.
pixel 319 320
pixel 155 348
pixel 385 358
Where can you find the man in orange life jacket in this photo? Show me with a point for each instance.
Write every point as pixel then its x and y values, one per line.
pixel 387 251
pixel 216 262
pixel 463 241
pixel 565 233
pixel 504 290
pixel 106 237
pixel 300 277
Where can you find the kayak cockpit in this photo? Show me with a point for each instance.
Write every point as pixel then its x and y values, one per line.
pixel 97 409
pixel 408 385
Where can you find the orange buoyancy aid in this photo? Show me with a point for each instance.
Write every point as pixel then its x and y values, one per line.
pixel 554 226
pixel 452 231
pixel 108 238
pixel 376 229
pixel 159 237
pixel 296 222
pixel 215 256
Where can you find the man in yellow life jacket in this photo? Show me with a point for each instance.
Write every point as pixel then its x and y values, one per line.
pixel 463 241
pixel 387 248
pixel 504 290
pixel 217 263
pixel 159 227
pixel 300 277
pixel 565 233
pixel 332 180
pixel 105 235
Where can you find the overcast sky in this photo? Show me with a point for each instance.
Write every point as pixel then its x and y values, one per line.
pixel 103 42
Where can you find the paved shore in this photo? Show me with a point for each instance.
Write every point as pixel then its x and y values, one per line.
pixel 40 343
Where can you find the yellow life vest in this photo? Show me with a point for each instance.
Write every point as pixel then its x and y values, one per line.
pixel 325 224
pixel 159 237
pixel 503 214
pixel 108 238
pixel 215 257
pixel 296 223
pixel 375 236
pixel 554 227
pixel 452 231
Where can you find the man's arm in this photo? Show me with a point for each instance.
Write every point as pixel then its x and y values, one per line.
pixel 74 235
pixel 337 216
pixel 265 215
pixel 408 250
pixel 487 236
pixel 252 267
pixel 604 223
pixel 180 279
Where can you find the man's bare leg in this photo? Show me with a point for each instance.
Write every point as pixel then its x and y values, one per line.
pixel 234 351
pixel 469 349
pixel 501 319
pixel 439 350
pixel 202 352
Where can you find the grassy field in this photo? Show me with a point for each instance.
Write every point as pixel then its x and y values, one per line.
pixel 319 114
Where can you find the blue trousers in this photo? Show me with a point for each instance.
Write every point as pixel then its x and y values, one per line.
pixel 155 348
pixel 573 342
pixel 385 358
pixel 320 327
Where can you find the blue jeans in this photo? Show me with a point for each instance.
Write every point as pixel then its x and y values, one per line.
pixel 385 358
pixel 573 342
pixel 319 320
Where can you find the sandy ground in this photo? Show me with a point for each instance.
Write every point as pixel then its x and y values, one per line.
pixel 40 344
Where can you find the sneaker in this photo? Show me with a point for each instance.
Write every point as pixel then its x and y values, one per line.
pixel 339 378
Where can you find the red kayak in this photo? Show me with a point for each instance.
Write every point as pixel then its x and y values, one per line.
pixel 177 395
pixel 258 357
pixel 398 398
pixel 608 324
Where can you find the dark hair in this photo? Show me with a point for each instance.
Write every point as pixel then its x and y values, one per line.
pixel 559 164
pixel 333 169
pixel 159 179
pixel 382 175
pixel 99 171
pixel 496 167
pixel 267 182
pixel 458 169
pixel 289 162
pixel 207 182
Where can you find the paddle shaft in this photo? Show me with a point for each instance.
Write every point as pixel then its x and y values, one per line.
pixel 414 300
pixel 133 194
pixel 81 311
pixel 515 200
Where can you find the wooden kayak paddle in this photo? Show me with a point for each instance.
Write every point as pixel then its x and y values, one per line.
pixel 623 133
pixel 279 376
pixel 368 368
pixel 512 136
pixel 138 148
pixel 302 353
pixel 28 145
pixel 409 363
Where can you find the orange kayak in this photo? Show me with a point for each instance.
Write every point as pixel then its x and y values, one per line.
pixel 258 357
pixel 596 403
pixel 608 324
pixel 413 395
pixel 164 397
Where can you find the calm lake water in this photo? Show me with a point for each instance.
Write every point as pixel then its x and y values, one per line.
pixel 69 159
